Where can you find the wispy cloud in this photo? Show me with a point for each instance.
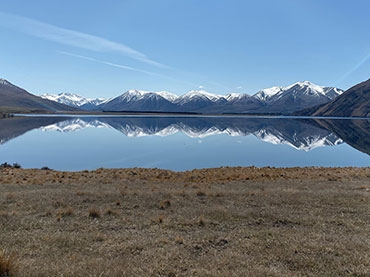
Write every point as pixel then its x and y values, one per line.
pixel 354 69
pixel 125 67
pixel 109 63
pixel 72 38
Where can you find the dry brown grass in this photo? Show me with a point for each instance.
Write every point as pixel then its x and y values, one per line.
pixel 7 264
pixel 215 222
pixel 94 213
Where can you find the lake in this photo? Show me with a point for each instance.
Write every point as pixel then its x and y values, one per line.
pixel 182 142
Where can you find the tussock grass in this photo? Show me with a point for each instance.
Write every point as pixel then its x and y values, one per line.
pixel 7 264
pixel 149 222
pixel 94 213
pixel 164 204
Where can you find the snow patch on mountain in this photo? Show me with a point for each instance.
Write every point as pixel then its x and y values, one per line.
pixel 198 94
pixel 136 94
pixel 266 94
pixel 234 96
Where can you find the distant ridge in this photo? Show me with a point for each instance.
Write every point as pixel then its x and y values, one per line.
pixel 16 99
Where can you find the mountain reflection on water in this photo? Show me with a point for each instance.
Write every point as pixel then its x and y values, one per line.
pixel 299 133
pixel 304 134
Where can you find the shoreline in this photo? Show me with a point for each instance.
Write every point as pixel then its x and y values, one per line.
pixel 181 114
pixel 197 171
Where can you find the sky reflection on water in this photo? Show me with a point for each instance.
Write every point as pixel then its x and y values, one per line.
pixel 91 147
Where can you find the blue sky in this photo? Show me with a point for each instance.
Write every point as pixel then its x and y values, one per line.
pixel 103 48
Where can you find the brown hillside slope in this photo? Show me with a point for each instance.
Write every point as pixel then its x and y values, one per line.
pixel 16 99
pixel 354 102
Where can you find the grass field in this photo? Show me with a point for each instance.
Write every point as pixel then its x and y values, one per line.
pixel 214 222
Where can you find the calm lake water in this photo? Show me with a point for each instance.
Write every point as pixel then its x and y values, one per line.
pixel 182 143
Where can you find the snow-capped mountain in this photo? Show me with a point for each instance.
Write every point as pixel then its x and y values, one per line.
pixel 307 88
pixel 75 100
pixel 140 100
pixel 298 96
pixel 295 97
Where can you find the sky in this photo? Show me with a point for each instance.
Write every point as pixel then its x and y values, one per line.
pixel 103 48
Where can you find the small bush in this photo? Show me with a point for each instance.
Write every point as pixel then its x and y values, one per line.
pixel 201 221
pixel 64 213
pixel 94 213
pixel 6 165
pixel 16 165
pixel 7 264
pixel 109 211
pixel 179 240
pixel 158 220
pixel 164 204
pixel 201 193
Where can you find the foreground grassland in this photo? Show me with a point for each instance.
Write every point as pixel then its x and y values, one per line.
pixel 215 222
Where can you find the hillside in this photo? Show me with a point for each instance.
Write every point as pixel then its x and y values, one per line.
pixel 353 102
pixel 16 99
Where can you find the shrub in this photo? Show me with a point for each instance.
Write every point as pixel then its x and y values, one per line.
pixel 94 213
pixel 201 193
pixel 6 165
pixel 164 204
pixel 16 165
pixel 109 211
pixel 64 213
pixel 179 240
pixel 7 264
pixel 201 221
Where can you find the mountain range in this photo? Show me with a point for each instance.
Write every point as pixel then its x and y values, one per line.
pixel 302 98
pixel 295 97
